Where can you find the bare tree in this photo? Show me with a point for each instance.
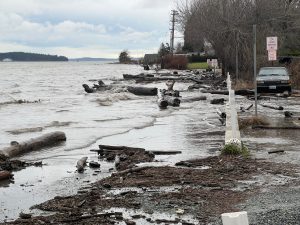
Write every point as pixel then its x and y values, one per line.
pixel 227 23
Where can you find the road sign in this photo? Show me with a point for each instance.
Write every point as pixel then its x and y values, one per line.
pixel 272 55
pixel 272 43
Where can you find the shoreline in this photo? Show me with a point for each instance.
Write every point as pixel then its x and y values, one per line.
pixel 175 191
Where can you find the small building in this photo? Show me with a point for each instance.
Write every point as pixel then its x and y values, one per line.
pixel 150 59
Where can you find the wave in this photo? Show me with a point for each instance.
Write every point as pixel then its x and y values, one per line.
pixel 112 119
pixel 38 129
pixel 109 99
pixel 25 130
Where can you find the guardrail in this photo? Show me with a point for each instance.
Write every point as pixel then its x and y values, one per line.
pixel 232 134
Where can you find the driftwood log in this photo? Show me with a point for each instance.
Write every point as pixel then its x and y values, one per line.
pixel 172 101
pixel 194 99
pixel 101 86
pixel 217 101
pixel 4 175
pixel 81 163
pixel 33 144
pixel 165 152
pixel 215 92
pixel 134 77
pixel 276 151
pixel 276 128
pixel 276 107
pixel 113 147
pixel 132 170
pixel 142 91
pixel 243 92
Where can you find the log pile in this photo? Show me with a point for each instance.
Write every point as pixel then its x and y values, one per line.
pixel 169 97
pixel 123 156
pixel 101 86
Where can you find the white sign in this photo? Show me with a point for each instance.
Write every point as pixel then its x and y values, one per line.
pixel 272 43
pixel 272 55
pixel 212 62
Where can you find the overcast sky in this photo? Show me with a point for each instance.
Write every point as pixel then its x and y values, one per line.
pixel 78 28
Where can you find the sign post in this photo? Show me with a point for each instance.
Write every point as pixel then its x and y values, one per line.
pixel 272 47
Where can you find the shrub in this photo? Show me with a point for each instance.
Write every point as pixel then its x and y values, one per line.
pixel 233 149
pixel 179 62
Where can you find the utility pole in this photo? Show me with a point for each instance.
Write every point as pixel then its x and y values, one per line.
pixel 173 21
pixel 254 66
pixel 237 56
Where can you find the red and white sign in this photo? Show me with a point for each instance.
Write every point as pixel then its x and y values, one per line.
pixel 272 55
pixel 272 43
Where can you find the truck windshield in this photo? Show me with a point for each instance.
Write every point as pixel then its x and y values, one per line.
pixel 273 72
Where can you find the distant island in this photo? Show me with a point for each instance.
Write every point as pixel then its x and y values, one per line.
pixel 29 57
pixel 89 59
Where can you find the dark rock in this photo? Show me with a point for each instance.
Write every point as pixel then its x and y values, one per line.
pixel 288 114
pixel 25 215
pixel 130 222
pixel 94 164
pixel 217 101
pixel 106 185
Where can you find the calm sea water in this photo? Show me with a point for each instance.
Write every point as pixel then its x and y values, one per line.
pixel 114 117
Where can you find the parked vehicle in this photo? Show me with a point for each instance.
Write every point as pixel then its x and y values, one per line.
pixel 273 79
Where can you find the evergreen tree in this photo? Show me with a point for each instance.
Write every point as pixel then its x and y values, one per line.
pixel 124 57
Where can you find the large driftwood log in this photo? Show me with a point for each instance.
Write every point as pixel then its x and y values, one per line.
pixel 216 92
pixel 112 147
pixel 142 91
pixel 33 144
pixel 4 175
pixel 81 163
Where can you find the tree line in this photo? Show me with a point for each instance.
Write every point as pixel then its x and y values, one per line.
pixel 22 56
pixel 227 24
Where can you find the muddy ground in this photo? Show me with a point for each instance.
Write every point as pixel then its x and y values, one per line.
pixel 191 192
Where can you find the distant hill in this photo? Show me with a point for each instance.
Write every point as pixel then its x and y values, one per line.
pixel 28 57
pixel 88 59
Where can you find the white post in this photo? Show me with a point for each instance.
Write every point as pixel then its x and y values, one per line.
pixel 232 134
pixel 237 218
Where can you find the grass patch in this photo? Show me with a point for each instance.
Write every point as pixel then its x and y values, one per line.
pixel 198 65
pixel 233 149
pixel 252 121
